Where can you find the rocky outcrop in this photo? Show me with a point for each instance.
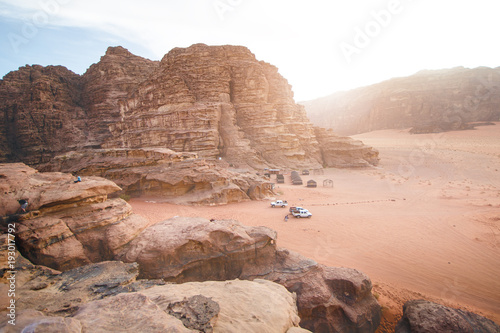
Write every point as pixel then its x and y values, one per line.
pixel 215 101
pixel 69 224
pixel 259 305
pixel 195 249
pixel 176 177
pixel 420 316
pixel 187 249
pixel 74 224
pixel 344 152
pixel 108 297
pixel 431 101
pixel 329 299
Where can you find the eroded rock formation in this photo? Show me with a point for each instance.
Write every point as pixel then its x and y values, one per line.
pixel 69 224
pixel 344 152
pixel 420 316
pixel 40 114
pixel 215 101
pixel 177 177
pixel 105 84
pixel 188 249
pixel 107 297
pixel 430 101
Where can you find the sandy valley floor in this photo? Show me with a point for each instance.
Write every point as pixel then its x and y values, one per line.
pixel 425 223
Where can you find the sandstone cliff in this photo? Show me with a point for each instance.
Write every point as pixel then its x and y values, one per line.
pixel 215 101
pixel 41 114
pixel 429 101
pixel 105 84
pixel 69 224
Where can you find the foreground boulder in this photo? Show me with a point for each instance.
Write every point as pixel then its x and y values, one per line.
pixel 106 297
pixel 329 299
pixel 69 224
pixel 195 249
pixel 420 316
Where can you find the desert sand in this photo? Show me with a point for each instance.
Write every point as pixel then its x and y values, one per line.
pixel 425 223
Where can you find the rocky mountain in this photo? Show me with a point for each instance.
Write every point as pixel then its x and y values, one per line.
pixel 215 101
pixel 429 101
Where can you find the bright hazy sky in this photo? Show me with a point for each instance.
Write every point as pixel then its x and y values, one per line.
pixel 320 46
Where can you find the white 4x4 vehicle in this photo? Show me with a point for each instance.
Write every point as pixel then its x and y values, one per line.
pixel 279 203
pixel 302 213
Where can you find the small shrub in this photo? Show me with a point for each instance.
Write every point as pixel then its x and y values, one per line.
pixel 125 197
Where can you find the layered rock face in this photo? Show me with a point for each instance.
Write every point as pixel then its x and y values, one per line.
pixel 215 101
pixel 430 101
pixel 105 84
pixel 41 114
pixel 69 224
pixel 172 176
pixel 219 101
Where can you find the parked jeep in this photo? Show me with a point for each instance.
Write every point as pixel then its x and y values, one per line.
pixel 301 213
pixel 279 203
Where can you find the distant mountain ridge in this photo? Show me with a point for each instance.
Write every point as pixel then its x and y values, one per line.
pixel 428 101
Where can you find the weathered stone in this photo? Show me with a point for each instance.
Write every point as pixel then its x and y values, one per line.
pixel 107 83
pixel 35 321
pixel 219 101
pixel 65 292
pixel 127 312
pixel 344 152
pixel 420 316
pixel 245 306
pixel 196 312
pixel 107 297
pixel 187 249
pixel 75 223
pixel 177 177
pixel 48 192
pixel 41 114
pixel 329 299
pixel 430 101
pixel 195 249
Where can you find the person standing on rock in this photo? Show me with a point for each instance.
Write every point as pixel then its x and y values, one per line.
pixel 24 205
pixel 78 179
